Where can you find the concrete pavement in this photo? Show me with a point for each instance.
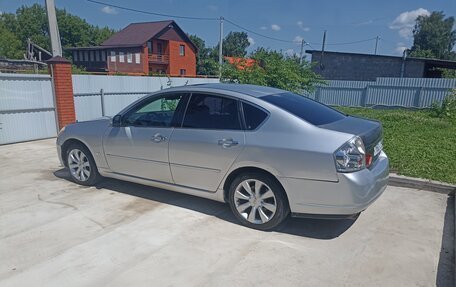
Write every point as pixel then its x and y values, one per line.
pixel 56 233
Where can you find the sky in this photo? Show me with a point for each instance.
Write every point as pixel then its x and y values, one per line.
pixel 351 26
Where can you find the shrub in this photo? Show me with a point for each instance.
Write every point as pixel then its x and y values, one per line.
pixel 447 109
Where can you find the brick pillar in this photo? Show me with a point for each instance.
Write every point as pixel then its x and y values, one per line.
pixel 145 60
pixel 60 70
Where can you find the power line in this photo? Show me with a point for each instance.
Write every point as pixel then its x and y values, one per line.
pixel 258 34
pixel 153 13
pixel 347 43
pixel 227 20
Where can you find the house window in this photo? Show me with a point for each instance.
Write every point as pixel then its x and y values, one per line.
pixel 86 56
pixel 149 47
pixel 159 48
pixel 75 56
pixel 182 50
pixel 183 72
pixel 92 56
pixel 97 56
pixel 129 57
pixel 81 56
pixel 138 58
pixel 121 57
pixel 103 56
pixel 113 56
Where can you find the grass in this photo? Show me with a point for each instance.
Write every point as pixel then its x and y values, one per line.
pixel 417 144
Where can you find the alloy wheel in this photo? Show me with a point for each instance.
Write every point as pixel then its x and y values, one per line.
pixel 255 201
pixel 79 165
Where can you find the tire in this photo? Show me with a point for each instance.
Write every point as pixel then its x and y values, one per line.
pixel 268 202
pixel 81 165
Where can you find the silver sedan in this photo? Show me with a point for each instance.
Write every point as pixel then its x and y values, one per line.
pixel 267 152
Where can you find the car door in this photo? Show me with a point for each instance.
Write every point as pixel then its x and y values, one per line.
pixel 139 147
pixel 210 139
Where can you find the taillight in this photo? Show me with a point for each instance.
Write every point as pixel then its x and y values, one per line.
pixel 368 159
pixel 351 156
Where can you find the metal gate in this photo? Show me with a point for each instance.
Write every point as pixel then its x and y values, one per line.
pixel 26 108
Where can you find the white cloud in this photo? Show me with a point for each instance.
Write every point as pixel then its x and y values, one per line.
pixel 251 41
pixel 302 27
pixel 109 10
pixel 275 27
pixel 400 47
pixel 212 7
pixel 291 53
pixel 298 39
pixel 405 22
pixel 263 28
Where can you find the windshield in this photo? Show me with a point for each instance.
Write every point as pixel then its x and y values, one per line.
pixel 305 108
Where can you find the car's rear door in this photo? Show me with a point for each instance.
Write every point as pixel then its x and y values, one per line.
pixel 210 139
pixel 140 146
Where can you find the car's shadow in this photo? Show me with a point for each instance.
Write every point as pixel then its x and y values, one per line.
pixel 313 228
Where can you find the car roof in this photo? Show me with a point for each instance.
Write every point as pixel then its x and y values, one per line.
pixel 251 90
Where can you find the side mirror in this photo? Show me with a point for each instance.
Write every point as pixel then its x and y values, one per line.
pixel 117 121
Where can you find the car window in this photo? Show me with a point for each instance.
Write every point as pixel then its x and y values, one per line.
pixel 253 116
pixel 305 108
pixel 157 112
pixel 212 112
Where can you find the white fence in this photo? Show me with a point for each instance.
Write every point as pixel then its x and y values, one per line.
pixel 392 92
pixel 27 104
pixel 95 96
pixel 26 108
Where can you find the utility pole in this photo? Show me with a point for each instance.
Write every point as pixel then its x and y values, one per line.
pixel 322 66
pixel 376 44
pixel 53 29
pixel 302 50
pixel 221 47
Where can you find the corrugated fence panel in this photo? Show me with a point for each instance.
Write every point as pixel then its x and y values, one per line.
pixel 431 95
pixel 405 92
pixel 119 92
pixel 19 92
pixel 26 108
pixel 391 96
pixel 341 96
pixel 418 82
pixel 87 107
pixel 26 126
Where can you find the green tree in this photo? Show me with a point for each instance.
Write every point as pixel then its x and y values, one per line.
pixel 205 63
pixel 434 37
pixel 274 69
pixel 31 22
pixel 10 45
pixel 235 44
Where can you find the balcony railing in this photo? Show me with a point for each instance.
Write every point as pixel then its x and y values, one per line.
pixel 159 58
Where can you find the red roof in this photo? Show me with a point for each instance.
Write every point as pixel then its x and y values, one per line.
pixel 136 34
pixel 241 63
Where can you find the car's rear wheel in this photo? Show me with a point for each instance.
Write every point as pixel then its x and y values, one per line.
pixel 258 201
pixel 81 165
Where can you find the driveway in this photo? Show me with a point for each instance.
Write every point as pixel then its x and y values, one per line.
pixel 56 233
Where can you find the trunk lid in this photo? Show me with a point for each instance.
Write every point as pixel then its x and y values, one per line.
pixel 371 132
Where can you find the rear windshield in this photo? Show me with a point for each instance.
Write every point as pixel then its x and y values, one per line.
pixel 305 108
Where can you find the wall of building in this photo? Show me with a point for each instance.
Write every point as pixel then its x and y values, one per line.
pixel 178 62
pixel 125 67
pixel 359 67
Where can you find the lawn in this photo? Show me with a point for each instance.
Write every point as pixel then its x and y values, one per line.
pixel 417 144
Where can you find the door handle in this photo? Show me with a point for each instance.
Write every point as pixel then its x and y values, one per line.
pixel 158 138
pixel 227 143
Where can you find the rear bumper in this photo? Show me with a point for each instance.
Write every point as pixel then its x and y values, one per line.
pixel 353 193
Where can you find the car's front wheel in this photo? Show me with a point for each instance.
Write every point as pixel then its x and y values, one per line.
pixel 258 201
pixel 81 165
